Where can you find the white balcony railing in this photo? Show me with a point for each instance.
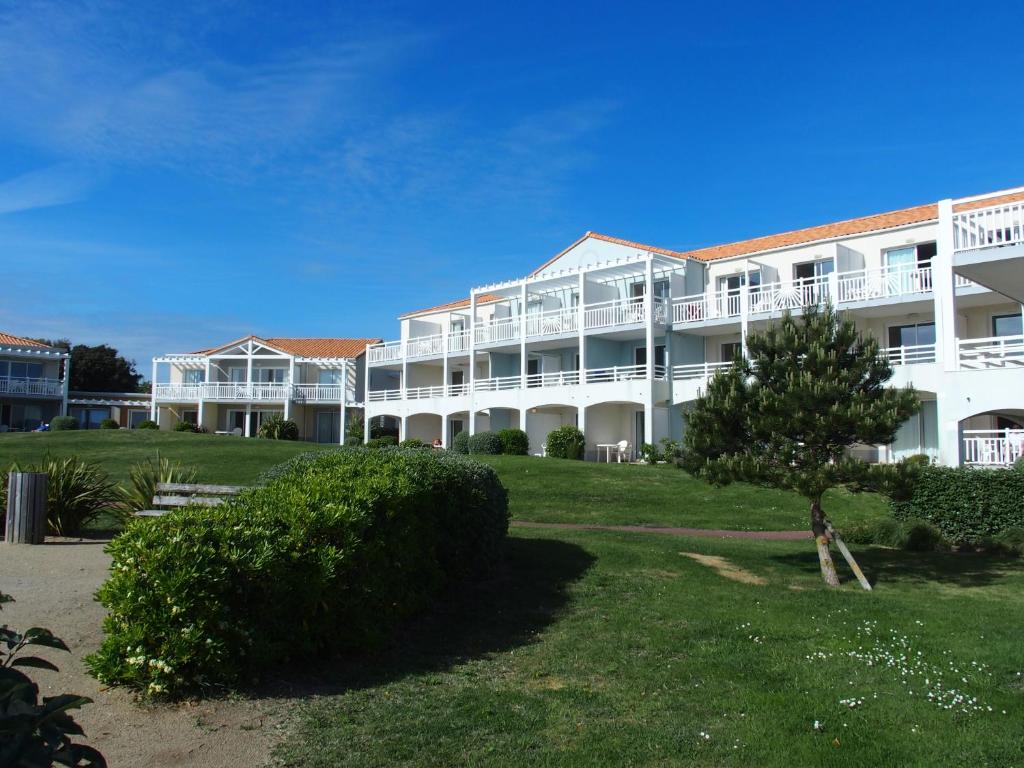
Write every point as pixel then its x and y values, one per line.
pixel 425 346
pixel 497 384
pixel 606 314
pixel 458 390
pixel 243 392
pixel 386 352
pixel 496 331
pixel 993 226
pixel 886 282
pixel 317 393
pixel 384 395
pixel 778 297
pixel 909 355
pixel 618 373
pixel 991 352
pixel 698 370
pixel 458 341
pixel 32 387
pixel 993 447
pixel 552 322
pixel 553 379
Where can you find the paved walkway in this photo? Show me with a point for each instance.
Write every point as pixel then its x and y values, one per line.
pixel 706 533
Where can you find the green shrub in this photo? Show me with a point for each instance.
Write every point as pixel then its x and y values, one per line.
pixel 329 555
pixel 387 441
pixel 353 442
pixel 566 442
pixel 1018 465
pixel 63 423
pixel 671 450
pixel 488 443
pixel 277 428
pixel 922 536
pixel 185 426
pixel 109 424
pixel 147 424
pixel 650 453
pixel 514 442
pixel 889 533
pixel 911 534
pixel 142 481
pixel 460 443
pixel 412 442
pixel 76 493
pixel 1013 539
pixel 965 504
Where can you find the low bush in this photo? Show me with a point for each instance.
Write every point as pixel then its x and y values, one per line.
pixel 109 424
pixel 965 504
pixel 328 556
pixel 650 453
pixel 460 443
pixel 488 443
pixel 142 481
pixel 147 424
pixel 566 442
pixel 412 442
pixel 353 442
pixel 277 428
pixel 671 450
pixel 63 423
pixel 76 493
pixel 387 441
pixel 514 442
pixel 912 534
pixel 185 426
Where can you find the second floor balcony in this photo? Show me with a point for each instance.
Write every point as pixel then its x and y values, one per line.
pixel 249 392
pixel 26 387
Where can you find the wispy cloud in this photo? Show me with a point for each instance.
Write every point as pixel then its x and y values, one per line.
pixel 56 185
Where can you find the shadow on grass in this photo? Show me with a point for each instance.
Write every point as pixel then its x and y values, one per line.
pixel 510 609
pixel 881 566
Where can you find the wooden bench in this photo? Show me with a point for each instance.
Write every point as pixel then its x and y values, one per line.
pixel 172 495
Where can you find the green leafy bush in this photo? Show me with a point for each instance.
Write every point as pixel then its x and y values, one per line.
pixel 63 423
pixel 185 426
pixel 142 481
pixel 33 732
pixel 147 424
pixel 965 504
pixel 911 534
pixel 671 450
pixel 514 442
pixel 412 442
pixel 460 443
pixel 488 443
pixel 329 555
pixel 650 453
pixel 109 424
pixel 566 442
pixel 386 441
pixel 277 428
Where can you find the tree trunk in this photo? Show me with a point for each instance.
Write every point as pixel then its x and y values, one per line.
pixel 820 531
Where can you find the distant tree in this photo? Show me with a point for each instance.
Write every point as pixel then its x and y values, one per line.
pixel 58 343
pixel 786 415
pixel 102 369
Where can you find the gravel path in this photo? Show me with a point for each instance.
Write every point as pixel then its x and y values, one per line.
pixel 706 533
pixel 53 585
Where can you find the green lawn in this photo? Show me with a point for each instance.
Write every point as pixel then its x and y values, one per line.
pixel 597 649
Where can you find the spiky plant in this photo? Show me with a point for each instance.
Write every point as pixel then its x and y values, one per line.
pixel 143 478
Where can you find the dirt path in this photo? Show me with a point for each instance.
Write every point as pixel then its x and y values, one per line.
pixel 706 533
pixel 53 585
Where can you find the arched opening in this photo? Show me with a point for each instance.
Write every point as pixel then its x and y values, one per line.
pixel 615 430
pixel 992 439
pixel 542 419
pixel 428 427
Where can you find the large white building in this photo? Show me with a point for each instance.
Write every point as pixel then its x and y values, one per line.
pixel 617 337
pixel 33 383
pixel 234 387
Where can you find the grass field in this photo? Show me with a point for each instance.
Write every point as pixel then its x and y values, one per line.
pixel 598 649
pixel 540 490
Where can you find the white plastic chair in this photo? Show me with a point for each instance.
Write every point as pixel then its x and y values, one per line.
pixel 237 431
pixel 623 449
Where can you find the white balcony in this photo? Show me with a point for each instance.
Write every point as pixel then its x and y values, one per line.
pixel 623 312
pixel 505 329
pixel 387 352
pixel 991 352
pixel 993 447
pixel 698 370
pixel 243 392
pixel 552 323
pixel 32 387
pixel 989 227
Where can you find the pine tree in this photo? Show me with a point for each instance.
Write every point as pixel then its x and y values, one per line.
pixel 786 415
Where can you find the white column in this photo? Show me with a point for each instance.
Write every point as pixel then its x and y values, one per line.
pixel 944 291
pixel 366 396
pixel 581 330
pixel 248 369
pixel 950 442
pixel 402 426
pixel 248 418
pixel 288 388
pixel 744 305
pixel 649 399
pixel 153 408
pixel 472 362
pixel 581 424
pixel 445 376
pixel 445 429
pixel 200 410
pixel 342 427
pixel 522 337
pixel 65 386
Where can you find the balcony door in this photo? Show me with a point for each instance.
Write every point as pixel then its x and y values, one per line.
pixel 328 424
pixel 914 335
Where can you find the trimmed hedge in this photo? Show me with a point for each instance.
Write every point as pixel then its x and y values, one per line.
pixel 63 423
pixel 147 424
pixel 965 504
pixel 184 426
pixel 488 443
pixel 460 443
pixel 566 442
pixel 387 441
pixel 109 424
pixel 514 442
pixel 412 442
pixel 336 549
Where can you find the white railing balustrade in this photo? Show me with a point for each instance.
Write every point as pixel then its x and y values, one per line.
pixel 384 395
pixel 553 379
pixel 458 390
pixel 916 353
pixel 32 387
pixel 504 329
pixel 242 392
pixel 778 297
pixel 425 346
pixel 993 447
pixel 386 352
pixel 616 373
pixel 606 314
pixel 884 282
pixel 993 226
pixel 421 393
pixel 552 322
pixel 698 370
pixel 317 393
pixel 991 352
pixel 458 341
pixel 497 384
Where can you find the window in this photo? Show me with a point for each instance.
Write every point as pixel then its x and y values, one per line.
pixel 640 355
pixel 458 324
pixel 4 369
pixel 328 376
pixel 1004 423
pixel 911 335
pixel 271 375
pixel 194 376
pixel 458 378
pixel 911 256
pixel 730 350
pixel 809 270
pixel 192 417
pixel 1007 325
pixel 137 417
pixel 236 374
pixel 24 371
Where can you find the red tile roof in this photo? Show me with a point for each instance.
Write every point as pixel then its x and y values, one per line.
pixel 1011 197
pixel 349 348
pixel 20 341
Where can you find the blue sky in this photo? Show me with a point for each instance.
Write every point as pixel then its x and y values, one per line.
pixel 174 177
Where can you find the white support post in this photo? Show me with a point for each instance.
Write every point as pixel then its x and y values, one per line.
pixel 950 437
pixel 649 313
pixel 366 396
pixel 582 373
pixel 522 337
pixel 343 425
pixel 944 291
pixel 472 362
pixel 445 375
pixel 248 419
pixel 65 386
pixel 288 389
pixel 445 429
pixel 402 427
pixel 744 307
pixel 200 411
pixel 248 371
pixel 581 425
pixel 154 410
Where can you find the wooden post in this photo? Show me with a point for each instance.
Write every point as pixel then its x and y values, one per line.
pixel 26 507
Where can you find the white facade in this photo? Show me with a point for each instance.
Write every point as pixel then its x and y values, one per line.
pixel 33 383
pixel 617 337
pixel 232 389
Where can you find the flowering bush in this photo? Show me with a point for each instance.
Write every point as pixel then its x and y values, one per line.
pixel 329 555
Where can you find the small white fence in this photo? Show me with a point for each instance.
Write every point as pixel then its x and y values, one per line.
pixel 993 447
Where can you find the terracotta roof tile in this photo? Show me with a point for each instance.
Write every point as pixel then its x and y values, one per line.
pixel 314 347
pixel 1010 197
pixel 485 298
pixel 20 341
